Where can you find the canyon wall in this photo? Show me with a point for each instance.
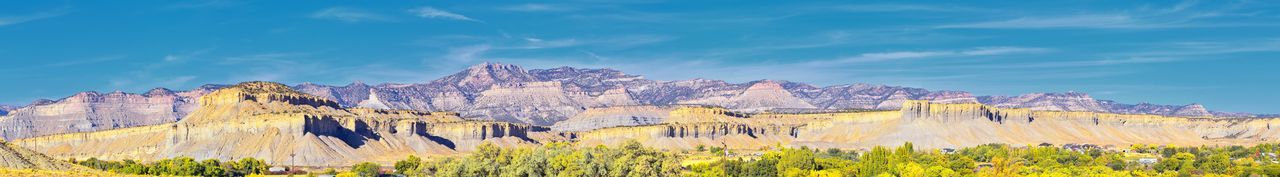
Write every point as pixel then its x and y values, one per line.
pixel 92 111
pixel 283 126
pixel 269 121
pixel 545 97
pixel 933 125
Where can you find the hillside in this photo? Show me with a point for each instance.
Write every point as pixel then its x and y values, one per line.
pixel 932 125
pixel 511 93
pixel 15 157
pixel 274 122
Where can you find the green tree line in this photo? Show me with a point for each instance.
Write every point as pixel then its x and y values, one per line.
pixel 631 159
pixel 180 166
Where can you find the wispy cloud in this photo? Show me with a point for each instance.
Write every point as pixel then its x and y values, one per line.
pixel 897 8
pixel 185 55
pixel 432 12
pixel 537 8
pixel 13 20
pixel 900 55
pixel 200 4
pixel 1187 14
pixel 274 66
pixel 349 15
pixel 1076 21
pixel 467 53
pixel 1070 63
pixel 614 42
pixel 536 43
pixel 62 63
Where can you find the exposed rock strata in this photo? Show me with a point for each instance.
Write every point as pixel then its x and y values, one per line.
pixel 92 111
pixel 271 121
pixel 933 125
pixel 14 157
pixel 618 116
pixel 547 96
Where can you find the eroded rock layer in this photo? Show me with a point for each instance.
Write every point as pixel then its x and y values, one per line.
pixel 544 97
pixel 93 111
pixel 933 125
pixel 14 157
pixel 271 121
pixel 274 122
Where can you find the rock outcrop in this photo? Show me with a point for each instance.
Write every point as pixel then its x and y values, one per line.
pixel 617 116
pixel 273 122
pixel 932 125
pixel 505 92
pixel 92 111
pixel 14 157
pixel 760 96
pixel 4 109
pixel 1192 110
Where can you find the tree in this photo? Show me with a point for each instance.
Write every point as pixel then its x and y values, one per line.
pixel 212 167
pixel 366 169
pixel 407 165
pixel 874 162
pixel 1216 163
pixel 796 158
pixel 250 166
pixel 911 169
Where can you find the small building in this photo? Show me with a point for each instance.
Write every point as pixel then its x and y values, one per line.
pixel 277 170
pixel 1148 161
pixel 948 151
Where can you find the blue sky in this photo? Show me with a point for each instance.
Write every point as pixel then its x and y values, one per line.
pixel 1218 53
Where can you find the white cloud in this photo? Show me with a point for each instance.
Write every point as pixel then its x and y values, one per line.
pixel 13 20
pixel 896 8
pixel 536 8
pixel 534 43
pixel 467 53
pixel 431 12
pixel 1182 15
pixel 898 55
pixel 1076 21
pixel 185 55
pixel 1001 51
pixel 347 15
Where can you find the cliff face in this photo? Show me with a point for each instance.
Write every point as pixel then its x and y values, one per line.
pixel 760 96
pixel 271 121
pixel 92 111
pixel 618 116
pixel 932 125
pixel 1075 101
pixel 505 92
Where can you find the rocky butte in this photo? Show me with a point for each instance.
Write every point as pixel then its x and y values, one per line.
pixel 546 97
pixel 284 126
pixel 274 122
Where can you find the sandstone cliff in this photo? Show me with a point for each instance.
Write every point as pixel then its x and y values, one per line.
pixel 273 122
pixel 92 111
pixel 505 92
pixel 933 125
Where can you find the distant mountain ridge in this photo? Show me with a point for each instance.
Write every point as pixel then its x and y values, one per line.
pixel 506 92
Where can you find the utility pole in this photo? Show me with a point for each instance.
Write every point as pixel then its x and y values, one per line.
pixel 291 164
